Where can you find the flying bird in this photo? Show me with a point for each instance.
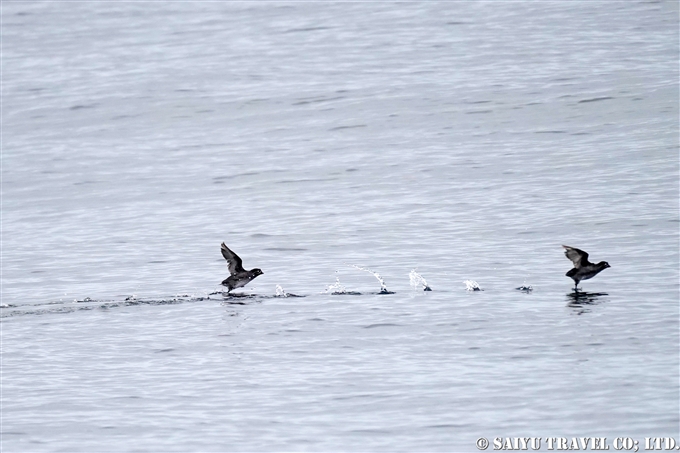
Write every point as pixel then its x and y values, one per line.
pixel 239 277
pixel 583 269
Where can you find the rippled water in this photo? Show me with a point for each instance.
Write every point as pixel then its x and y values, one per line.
pixel 462 141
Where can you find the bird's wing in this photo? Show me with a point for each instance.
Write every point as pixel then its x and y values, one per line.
pixel 578 257
pixel 233 261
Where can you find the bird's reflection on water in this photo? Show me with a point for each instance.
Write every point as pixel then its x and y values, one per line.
pixel 581 300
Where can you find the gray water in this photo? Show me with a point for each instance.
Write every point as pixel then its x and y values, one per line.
pixel 463 140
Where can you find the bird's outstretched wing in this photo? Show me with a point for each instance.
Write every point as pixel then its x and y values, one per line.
pixel 233 261
pixel 578 257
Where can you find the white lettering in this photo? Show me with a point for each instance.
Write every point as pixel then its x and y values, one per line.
pixel 600 443
pixel 628 443
pixel 652 443
pixel 551 443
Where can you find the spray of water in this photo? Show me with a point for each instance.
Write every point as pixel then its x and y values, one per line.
pixel 280 292
pixel 383 288
pixel 418 281
pixel 336 288
pixel 471 285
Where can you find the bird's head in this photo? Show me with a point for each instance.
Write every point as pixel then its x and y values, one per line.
pixel 257 271
pixel 603 264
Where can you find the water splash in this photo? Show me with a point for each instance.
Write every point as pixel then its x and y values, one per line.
pixel 471 285
pixel 418 281
pixel 280 292
pixel 336 288
pixel 383 288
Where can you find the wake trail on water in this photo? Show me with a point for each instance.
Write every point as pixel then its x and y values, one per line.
pixel 88 304
pixel 417 281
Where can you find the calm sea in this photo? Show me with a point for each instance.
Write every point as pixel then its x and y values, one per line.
pixel 449 140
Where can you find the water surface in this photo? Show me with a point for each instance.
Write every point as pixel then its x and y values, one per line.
pixel 465 141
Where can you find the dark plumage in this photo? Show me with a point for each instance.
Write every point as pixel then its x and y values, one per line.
pixel 239 277
pixel 583 269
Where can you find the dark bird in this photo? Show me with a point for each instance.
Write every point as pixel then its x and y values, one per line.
pixel 583 269
pixel 239 277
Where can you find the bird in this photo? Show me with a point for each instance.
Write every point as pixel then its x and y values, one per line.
pixel 239 277
pixel 583 269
